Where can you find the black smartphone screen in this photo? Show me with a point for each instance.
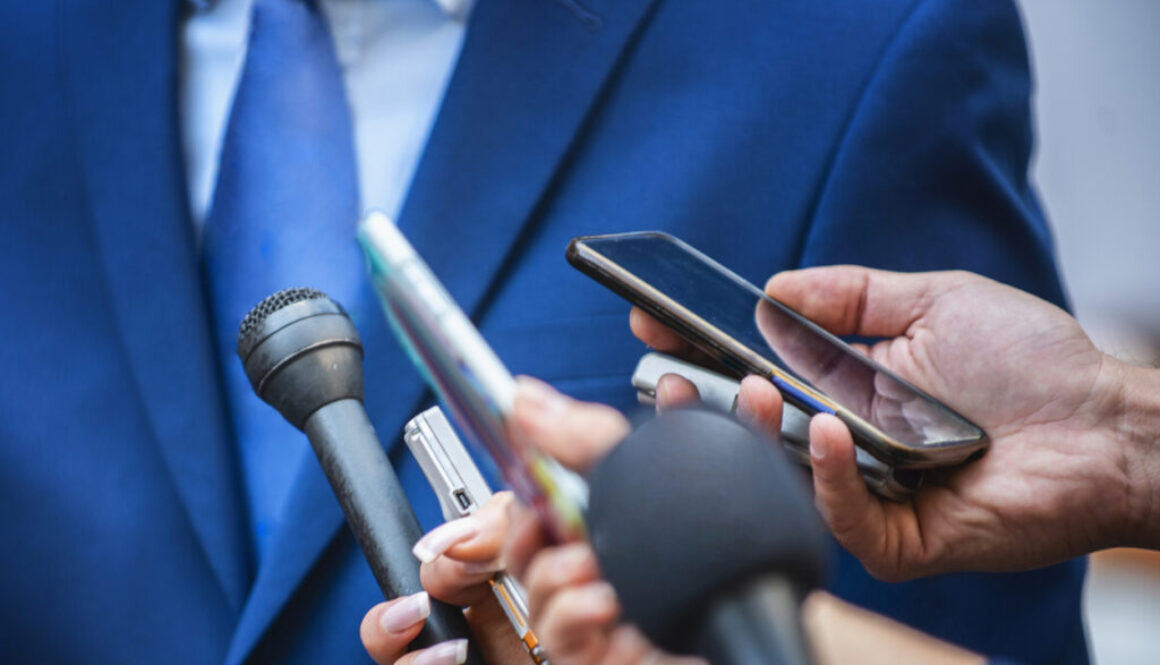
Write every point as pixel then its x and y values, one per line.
pixel 682 285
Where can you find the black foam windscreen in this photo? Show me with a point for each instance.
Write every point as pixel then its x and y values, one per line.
pixel 692 505
pixel 301 352
pixel 274 302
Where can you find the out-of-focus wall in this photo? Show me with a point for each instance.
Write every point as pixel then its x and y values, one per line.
pixel 1097 104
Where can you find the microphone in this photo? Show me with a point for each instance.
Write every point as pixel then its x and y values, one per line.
pixel 303 356
pixel 708 539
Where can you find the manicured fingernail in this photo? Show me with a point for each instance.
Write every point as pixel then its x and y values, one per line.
pixel 406 613
pixel 546 403
pixel 438 540
pixel 742 410
pixel 602 596
pixel 480 567
pixel 817 448
pixel 453 652
pixel 574 559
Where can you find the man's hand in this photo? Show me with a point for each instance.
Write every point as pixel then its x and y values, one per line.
pixel 1057 481
pixel 459 558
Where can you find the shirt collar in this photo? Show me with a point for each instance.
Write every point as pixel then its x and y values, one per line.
pixel 454 9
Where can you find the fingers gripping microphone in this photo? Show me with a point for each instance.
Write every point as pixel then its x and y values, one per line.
pixel 708 539
pixel 303 356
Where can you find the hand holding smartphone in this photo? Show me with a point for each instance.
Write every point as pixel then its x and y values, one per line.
pixel 466 375
pixel 750 333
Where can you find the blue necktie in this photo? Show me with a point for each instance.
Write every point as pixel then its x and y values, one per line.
pixel 284 214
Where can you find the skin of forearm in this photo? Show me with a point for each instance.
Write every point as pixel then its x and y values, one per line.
pixel 1136 427
pixel 842 633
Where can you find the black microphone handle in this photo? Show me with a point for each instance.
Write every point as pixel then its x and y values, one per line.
pixel 758 622
pixel 378 512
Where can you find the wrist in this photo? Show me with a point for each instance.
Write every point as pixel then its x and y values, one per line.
pixel 1135 429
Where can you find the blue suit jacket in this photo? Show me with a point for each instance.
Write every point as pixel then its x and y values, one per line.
pixel 769 133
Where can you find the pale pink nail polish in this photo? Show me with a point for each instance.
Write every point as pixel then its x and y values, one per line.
pixel 480 567
pixel 453 652
pixel 442 537
pixel 406 613
pixel 545 401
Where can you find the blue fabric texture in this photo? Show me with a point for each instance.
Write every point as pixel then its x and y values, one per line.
pixel 283 214
pixel 770 134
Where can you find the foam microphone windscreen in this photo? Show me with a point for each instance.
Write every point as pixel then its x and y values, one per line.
pixel 689 506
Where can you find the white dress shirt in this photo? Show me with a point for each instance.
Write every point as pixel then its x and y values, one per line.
pixel 396 58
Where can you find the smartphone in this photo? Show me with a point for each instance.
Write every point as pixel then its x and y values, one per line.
pixel 466 375
pixel 748 332
pixel 719 393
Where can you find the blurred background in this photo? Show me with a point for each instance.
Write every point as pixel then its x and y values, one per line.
pixel 1097 166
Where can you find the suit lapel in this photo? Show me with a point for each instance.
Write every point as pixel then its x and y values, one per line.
pixel 120 73
pixel 529 74
pixel 313 519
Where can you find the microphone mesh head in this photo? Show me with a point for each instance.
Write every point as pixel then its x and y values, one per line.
pixel 272 303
